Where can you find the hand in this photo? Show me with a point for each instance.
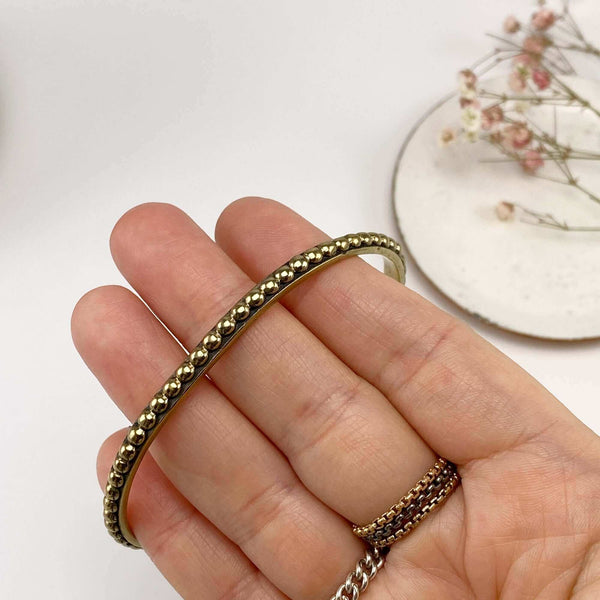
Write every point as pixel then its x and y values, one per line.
pixel 325 412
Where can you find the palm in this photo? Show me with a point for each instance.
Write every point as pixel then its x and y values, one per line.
pixel 325 413
pixel 516 531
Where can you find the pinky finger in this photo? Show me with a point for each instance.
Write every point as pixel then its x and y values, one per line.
pixel 196 558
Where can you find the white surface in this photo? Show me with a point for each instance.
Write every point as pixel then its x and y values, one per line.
pixel 106 104
pixel 531 280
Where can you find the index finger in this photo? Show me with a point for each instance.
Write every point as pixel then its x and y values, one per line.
pixel 466 398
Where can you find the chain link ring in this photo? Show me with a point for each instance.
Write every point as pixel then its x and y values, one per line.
pixel 424 497
pixel 397 522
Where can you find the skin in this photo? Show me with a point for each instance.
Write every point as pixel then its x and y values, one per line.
pixel 326 411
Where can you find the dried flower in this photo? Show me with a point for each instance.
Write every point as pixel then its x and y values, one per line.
pixel 471 119
pixel 538 61
pixel 447 136
pixel 473 102
pixel 522 106
pixel 470 136
pixel 505 211
pixel 541 78
pixel 491 116
pixel 521 137
pixel 517 82
pixel 496 137
pixel 467 78
pixel 543 19
pixel 525 62
pixel 532 161
pixel 517 136
pixel 467 81
pixel 511 25
pixel 535 44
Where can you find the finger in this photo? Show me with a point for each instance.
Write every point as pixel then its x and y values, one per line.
pixel 464 397
pixel 212 454
pixel 341 435
pixel 197 559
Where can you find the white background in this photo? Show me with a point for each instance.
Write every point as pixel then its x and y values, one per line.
pixel 105 104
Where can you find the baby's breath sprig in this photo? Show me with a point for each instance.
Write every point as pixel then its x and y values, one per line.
pixel 537 52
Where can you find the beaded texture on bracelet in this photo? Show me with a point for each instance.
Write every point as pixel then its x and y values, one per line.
pixel 206 353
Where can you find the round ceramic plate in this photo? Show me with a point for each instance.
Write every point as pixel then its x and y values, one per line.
pixel 528 279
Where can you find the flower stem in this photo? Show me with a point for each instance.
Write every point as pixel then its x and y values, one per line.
pixel 548 220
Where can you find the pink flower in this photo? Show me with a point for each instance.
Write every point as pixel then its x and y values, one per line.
pixel 511 25
pixel 467 78
pixel 543 19
pixel 505 211
pixel 535 44
pixel 467 81
pixel 521 136
pixel 518 136
pixel 517 82
pixel 447 136
pixel 532 161
pixel 525 61
pixel 541 78
pixel 495 112
pixel 473 102
pixel 491 116
pixel 486 122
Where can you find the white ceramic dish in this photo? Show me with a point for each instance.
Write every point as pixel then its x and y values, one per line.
pixel 531 280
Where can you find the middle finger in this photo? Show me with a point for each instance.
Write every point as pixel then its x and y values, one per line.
pixel 341 435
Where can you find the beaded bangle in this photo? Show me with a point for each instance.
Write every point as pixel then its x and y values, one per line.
pixel 143 431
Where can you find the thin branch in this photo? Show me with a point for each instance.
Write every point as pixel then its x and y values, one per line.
pixel 582 101
pixel 548 220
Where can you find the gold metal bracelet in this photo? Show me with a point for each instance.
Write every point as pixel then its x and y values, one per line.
pixel 143 431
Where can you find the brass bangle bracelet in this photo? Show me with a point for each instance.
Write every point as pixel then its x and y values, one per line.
pixel 143 431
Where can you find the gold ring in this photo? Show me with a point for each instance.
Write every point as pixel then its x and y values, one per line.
pixel 424 497
pixel 143 431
